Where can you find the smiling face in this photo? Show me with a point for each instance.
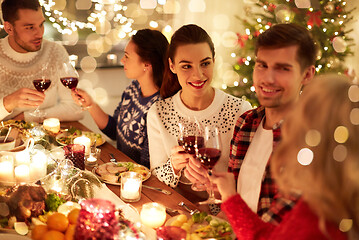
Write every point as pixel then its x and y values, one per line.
pixel 132 62
pixel 278 78
pixel 193 64
pixel 25 35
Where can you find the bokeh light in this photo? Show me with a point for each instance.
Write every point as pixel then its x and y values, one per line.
pixel 103 27
pixel 341 134
pixel 148 4
pixel 302 3
pixel 339 44
pixel 221 21
pixel 230 77
pixel 305 156
pixel 353 93
pixel 83 4
pixel 197 6
pixel 340 153
pixel 229 39
pixel 354 116
pixel 101 96
pixel 345 225
pixel 312 138
pixel 88 64
pixel 60 5
pixel 172 7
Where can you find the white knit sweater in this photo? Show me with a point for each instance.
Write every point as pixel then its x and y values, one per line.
pixel 162 129
pixel 17 70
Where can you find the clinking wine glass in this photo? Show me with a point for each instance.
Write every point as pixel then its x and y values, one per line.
pixel 189 137
pixel 70 78
pixel 209 155
pixel 41 82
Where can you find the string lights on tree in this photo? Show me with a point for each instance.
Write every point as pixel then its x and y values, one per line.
pixel 325 19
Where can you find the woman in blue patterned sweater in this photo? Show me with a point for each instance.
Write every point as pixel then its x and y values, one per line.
pixel 144 62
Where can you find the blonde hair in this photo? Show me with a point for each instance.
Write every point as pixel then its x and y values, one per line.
pixel 324 123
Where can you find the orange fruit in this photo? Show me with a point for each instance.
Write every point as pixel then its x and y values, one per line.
pixel 73 215
pixel 38 231
pixel 53 235
pixel 58 222
pixel 70 232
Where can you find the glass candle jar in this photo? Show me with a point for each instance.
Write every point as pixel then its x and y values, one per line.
pixel 153 214
pixel 131 185
pixel 97 220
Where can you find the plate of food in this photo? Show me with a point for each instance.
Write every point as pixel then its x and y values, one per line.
pixel 19 133
pixel 67 136
pixel 111 172
pixel 201 225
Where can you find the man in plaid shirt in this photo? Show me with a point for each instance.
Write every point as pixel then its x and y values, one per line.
pixel 285 58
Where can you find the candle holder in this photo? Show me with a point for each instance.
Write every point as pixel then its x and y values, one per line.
pixel 153 214
pixel 131 185
pixel 52 125
pixel 76 153
pixel 97 220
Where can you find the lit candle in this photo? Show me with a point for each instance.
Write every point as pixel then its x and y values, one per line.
pixel 38 166
pixel 7 169
pixel 83 140
pixel 131 183
pixel 112 59
pixel 22 173
pixel 22 158
pixel 153 214
pixel 91 160
pixel 52 125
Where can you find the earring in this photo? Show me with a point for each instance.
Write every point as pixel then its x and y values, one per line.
pixel 144 69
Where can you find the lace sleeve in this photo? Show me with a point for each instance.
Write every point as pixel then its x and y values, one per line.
pixel 166 174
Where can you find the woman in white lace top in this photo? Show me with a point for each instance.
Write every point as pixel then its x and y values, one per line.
pixel 186 91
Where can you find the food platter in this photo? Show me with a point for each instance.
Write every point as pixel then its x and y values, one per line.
pixel 110 172
pixel 202 228
pixel 66 137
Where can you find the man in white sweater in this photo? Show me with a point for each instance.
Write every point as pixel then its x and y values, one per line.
pixel 23 53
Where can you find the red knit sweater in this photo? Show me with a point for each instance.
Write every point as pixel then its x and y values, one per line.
pixel 299 224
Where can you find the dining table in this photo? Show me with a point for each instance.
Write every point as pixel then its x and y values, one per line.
pixel 171 202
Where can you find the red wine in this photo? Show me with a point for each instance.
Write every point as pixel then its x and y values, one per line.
pixel 188 143
pixel 208 157
pixel 70 82
pixel 41 84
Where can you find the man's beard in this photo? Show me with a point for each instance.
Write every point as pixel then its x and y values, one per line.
pixel 26 47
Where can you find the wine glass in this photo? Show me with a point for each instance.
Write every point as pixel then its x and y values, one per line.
pixel 41 83
pixel 190 133
pixel 70 78
pixel 209 155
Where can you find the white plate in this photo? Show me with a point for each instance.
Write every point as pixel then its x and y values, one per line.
pixel 145 177
pixel 64 138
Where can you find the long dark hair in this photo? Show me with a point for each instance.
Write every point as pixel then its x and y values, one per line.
pixel 151 46
pixel 187 34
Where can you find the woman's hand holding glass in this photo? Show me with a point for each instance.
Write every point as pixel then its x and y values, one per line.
pixel 82 98
pixel 190 131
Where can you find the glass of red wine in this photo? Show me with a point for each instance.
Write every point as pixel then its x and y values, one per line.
pixel 70 78
pixel 41 83
pixel 190 133
pixel 208 155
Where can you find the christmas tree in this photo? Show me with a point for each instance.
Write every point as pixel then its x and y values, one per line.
pixel 325 19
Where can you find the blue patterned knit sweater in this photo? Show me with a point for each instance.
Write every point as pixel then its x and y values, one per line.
pixel 128 123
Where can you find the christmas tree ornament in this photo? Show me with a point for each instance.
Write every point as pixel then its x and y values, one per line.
pixel 339 44
pixel 329 8
pixel 302 3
